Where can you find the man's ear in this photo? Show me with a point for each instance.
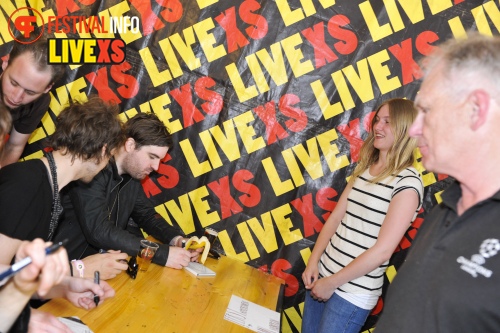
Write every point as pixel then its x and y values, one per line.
pixel 5 62
pixel 129 144
pixel 48 88
pixel 480 100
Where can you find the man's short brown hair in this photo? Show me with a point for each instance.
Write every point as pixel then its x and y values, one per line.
pixel 82 129
pixel 147 130
pixel 38 49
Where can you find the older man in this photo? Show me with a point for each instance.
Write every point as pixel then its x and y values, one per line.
pixel 450 280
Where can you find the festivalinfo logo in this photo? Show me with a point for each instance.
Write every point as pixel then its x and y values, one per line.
pixel 29 25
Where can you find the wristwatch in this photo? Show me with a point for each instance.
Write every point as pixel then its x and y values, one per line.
pixel 80 267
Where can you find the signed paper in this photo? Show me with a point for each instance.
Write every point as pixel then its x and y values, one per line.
pixel 252 316
pixel 75 324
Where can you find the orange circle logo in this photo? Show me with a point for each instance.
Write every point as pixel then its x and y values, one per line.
pixel 25 24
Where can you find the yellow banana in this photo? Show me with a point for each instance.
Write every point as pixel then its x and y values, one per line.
pixel 194 243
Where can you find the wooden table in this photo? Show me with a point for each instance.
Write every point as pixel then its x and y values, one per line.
pixel 168 300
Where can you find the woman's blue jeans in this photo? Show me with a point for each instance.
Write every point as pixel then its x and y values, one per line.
pixel 333 316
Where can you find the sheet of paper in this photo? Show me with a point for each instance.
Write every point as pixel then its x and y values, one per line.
pixel 75 324
pixel 252 316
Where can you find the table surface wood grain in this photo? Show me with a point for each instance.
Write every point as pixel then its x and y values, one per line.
pixel 168 300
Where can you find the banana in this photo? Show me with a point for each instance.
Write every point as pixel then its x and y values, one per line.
pixel 194 243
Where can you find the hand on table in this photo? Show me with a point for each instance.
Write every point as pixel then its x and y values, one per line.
pixel 108 264
pixel 179 257
pixel 81 292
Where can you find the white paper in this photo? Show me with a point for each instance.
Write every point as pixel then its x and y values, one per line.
pixel 198 269
pixel 252 316
pixel 75 324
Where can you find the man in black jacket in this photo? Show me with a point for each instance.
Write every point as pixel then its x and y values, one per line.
pixel 96 214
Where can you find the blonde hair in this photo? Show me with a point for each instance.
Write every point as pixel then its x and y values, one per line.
pixel 402 112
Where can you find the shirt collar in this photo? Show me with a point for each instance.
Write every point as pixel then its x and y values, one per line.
pixel 453 193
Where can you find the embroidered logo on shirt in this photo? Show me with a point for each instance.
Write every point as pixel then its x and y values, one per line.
pixel 474 266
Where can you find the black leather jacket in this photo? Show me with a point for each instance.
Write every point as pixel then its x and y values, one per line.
pixel 102 210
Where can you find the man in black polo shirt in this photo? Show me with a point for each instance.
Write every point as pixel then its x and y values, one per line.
pixel 451 277
pixel 25 81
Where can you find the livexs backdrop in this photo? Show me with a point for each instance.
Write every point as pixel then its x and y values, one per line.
pixel 268 102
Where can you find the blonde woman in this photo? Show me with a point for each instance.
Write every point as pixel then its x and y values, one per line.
pixel 344 275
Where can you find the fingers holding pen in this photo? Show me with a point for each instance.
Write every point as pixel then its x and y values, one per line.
pixel 45 271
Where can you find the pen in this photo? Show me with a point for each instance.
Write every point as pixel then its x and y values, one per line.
pixel 26 261
pixel 96 281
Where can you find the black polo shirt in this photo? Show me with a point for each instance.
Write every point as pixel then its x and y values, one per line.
pixel 450 281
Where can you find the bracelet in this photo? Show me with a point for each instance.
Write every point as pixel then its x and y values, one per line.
pixel 80 267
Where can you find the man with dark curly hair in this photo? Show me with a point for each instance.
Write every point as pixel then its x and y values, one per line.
pixel 97 215
pixel 85 136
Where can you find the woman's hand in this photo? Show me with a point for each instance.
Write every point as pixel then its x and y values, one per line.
pixel 310 275
pixel 323 289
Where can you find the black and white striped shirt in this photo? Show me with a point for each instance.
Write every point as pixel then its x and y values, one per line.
pixel 358 231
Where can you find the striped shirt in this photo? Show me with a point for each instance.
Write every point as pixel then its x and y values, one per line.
pixel 367 205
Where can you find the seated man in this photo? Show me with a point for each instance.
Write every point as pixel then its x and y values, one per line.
pixel 41 275
pixel 24 85
pixel 82 143
pixel 102 208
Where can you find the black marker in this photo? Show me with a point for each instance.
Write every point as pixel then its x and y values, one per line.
pixel 96 281
pixel 26 261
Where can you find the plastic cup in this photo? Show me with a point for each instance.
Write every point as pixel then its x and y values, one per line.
pixel 146 254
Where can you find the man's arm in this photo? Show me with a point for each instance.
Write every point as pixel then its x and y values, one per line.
pixel 155 225
pixel 91 210
pixel 146 217
pixel 14 147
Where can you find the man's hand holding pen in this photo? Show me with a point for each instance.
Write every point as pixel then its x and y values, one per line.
pixel 81 292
